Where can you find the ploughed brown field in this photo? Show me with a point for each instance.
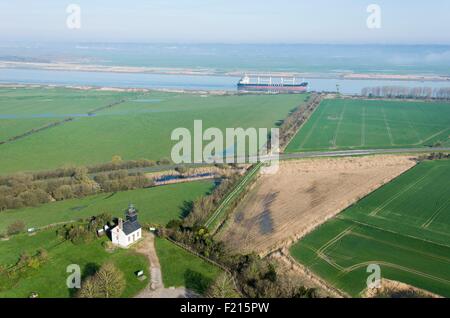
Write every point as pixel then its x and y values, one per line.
pixel 303 194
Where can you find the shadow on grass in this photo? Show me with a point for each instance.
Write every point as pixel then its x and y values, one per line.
pixel 89 270
pixel 196 281
pixel 186 208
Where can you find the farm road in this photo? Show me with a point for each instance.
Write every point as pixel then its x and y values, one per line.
pixel 155 288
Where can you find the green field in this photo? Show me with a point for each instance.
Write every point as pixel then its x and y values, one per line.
pixel 181 268
pixel 404 227
pixel 138 128
pixel 24 109
pixel 49 280
pixel 341 124
pixel 156 205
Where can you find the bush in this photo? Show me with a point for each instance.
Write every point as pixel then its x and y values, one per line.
pixel 174 224
pixel 163 161
pixel 63 192
pixel 16 228
pixel 77 233
pixel 181 169
pixel 108 245
pixel 108 282
pixel 42 254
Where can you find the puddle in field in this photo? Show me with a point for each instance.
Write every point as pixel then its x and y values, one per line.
pixel 266 222
pixel 266 225
pixel 239 217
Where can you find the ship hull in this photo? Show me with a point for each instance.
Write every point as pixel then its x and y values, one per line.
pixel 273 88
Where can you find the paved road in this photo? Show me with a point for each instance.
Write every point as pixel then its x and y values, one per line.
pixel 343 153
pixel 312 154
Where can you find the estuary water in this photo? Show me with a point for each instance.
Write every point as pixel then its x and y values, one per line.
pixel 185 82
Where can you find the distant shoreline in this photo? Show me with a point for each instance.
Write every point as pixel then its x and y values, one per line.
pixel 211 72
pixel 118 89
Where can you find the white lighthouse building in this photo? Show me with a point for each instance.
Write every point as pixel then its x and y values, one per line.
pixel 129 231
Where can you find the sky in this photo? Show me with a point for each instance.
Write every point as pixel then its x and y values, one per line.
pixel 227 21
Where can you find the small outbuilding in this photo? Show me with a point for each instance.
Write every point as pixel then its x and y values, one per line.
pixel 129 231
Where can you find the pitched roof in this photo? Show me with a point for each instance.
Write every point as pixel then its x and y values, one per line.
pixel 130 227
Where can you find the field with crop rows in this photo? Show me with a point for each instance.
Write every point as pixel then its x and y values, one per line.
pixel 339 124
pixel 404 227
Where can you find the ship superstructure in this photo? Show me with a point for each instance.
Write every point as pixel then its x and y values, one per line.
pixel 272 84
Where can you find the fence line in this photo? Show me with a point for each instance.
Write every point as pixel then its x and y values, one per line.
pixel 214 263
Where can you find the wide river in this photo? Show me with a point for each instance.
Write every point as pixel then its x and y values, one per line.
pixel 157 81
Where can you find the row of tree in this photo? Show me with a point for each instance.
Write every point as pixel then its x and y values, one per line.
pixel 85 230
pixel 292 123
pixel 116 164
pixel 23 190
pixel 406 92
pixel 434 156
pixel 35 130
pixel 122 180
pixel 198 211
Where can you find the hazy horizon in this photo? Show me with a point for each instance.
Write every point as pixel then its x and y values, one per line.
pixel 403 22
pixel 61 42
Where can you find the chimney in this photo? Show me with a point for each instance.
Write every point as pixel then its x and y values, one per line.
pixel 120 223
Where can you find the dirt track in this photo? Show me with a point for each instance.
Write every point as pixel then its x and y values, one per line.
pixel 156 289
pixel 283 207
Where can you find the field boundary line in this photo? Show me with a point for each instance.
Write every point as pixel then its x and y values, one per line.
pixel 314 125
pixel 388 128
pixel 317 99
pixel 432 136
pixel 435 215
pixel 412 127
pixel 399 267
pixel 398 194
pixel 338 126
pixel 285 256
pixel 392 231
pixel 403 247
pixel 59 122
pixel 335 239
pixel 321 251
pixel 232 194
pixel 37 130
pixel 363 127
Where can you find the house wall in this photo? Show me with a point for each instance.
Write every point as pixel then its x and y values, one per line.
pixel 119 238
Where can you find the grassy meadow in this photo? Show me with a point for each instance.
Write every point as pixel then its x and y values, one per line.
pixel 141 127
pixel 180 268
pixel 24 109
pixel 156 205
pixel 340 124
pixel 49 280
pixel 404 227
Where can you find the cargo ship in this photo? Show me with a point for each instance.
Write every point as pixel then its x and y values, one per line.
pixel 271 84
